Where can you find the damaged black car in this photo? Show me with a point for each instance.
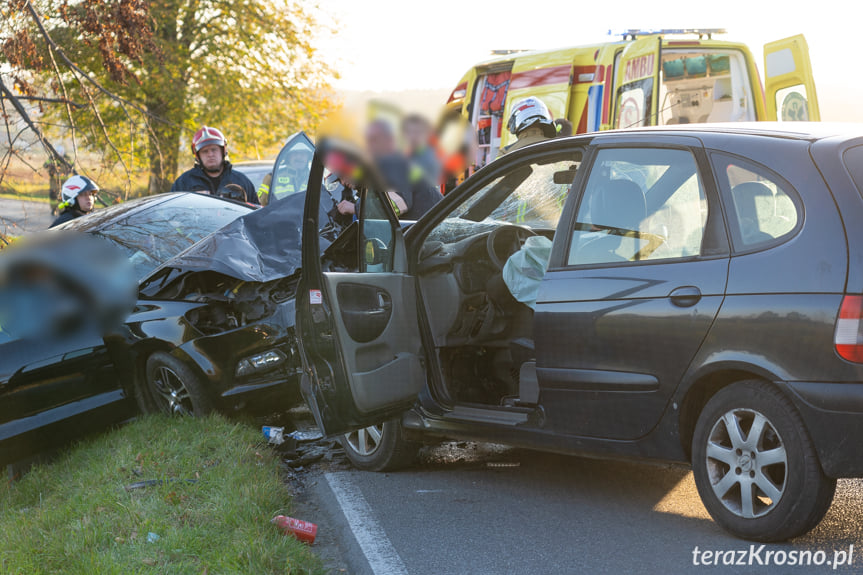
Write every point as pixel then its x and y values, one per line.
pixel 214 326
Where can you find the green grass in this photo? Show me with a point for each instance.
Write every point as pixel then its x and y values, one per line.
pixel 29 197
pixel 75 515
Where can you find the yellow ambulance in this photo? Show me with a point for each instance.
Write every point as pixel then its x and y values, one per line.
pixel 653 77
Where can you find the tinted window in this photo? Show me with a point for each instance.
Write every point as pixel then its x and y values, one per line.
pixel 640 204
pixel 761 206
pixel 854 164
pixel 150 237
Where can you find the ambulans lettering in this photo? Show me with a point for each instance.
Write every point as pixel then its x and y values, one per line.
pixel 640 67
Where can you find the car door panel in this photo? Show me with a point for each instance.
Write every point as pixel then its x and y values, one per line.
pixel 616 328
pixel 49 392
pixel 602 368
pixel 379 340
pixel 358 331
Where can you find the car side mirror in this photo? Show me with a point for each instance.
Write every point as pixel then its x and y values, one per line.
pixel 376 252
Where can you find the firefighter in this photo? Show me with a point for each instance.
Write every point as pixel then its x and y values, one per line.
pixel 78 194
pixel 530 122
pixel 290 178
pixel 212 170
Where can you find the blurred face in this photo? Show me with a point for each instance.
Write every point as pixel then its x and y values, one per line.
pixel 211 158
pixel 298 160
pixel 379 140
pixel 85 201
pixel 416 135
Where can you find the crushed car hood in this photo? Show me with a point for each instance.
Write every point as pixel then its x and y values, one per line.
pixel 260 246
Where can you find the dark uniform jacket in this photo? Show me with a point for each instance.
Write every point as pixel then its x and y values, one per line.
pixel 196 180
pixel 408 181
pixel 69 213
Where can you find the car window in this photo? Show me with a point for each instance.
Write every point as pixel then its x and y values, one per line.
pixel 153 236
pixel 761 206
pixel 853 159
pixel 377 235
pixel 292 167
pixel 640 204
pixel 528 194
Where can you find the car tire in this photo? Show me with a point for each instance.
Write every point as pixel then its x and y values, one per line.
pixel 380 447
pixel 170 386
pixel 764 487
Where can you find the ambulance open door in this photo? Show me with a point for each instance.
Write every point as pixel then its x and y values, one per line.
pixel 789 88
pixel 637 81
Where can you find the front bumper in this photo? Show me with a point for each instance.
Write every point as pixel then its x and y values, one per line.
pixel 833 415
pixel 218 355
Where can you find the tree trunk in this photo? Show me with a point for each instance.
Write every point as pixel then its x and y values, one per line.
pixel 164 149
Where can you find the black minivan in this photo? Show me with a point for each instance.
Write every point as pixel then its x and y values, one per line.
pixel 690 294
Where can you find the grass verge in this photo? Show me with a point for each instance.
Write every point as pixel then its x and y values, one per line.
pixel 77 515
pixel 42 199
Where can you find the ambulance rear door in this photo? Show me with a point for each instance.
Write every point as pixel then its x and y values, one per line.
pixel 637 83
pixel 789 87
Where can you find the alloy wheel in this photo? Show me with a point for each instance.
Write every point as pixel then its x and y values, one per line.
pixel 171 393
pixel 365 441
pixel 746 463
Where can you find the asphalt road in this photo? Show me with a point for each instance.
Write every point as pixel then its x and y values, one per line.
pixel 468 508
pixel 18 217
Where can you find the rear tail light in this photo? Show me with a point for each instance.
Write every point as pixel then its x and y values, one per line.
pixel 849 329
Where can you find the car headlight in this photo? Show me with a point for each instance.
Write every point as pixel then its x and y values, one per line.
pixel 259 362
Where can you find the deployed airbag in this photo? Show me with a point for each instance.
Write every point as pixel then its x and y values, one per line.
pixel 525 269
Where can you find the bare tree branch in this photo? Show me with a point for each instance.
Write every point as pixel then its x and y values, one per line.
pixel 51 101
pixel 73 66
pixel 19 107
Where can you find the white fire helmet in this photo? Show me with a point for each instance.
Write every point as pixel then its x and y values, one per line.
pixel 528 112
pixel 77 185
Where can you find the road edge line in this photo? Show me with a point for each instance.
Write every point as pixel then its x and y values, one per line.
pixel 382 557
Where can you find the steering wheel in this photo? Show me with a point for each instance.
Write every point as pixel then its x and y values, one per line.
pixel 505 241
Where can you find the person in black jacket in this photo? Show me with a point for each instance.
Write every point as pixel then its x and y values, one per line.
pixel 416 194
pixel 77 194
pixel 212 171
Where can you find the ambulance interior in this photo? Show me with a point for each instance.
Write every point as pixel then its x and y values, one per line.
pixel 704 86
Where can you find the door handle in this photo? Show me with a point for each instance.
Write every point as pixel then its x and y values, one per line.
pixel 686 296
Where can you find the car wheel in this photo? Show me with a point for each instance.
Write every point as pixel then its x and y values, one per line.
pixel 755 467
pixel 170 386
pixel 380 447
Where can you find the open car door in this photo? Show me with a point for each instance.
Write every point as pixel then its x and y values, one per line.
pixel 789 88
pixel 637 79
pixel 357 318
pixel 291 169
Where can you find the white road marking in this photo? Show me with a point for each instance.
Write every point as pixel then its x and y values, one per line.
pixel 379 551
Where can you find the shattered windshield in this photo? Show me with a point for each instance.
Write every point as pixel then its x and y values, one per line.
pixel 530 194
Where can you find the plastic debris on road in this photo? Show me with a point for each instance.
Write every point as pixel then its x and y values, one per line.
pixel 274 435
pixel 302 530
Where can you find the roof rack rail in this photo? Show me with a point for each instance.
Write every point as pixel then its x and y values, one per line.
pixel 634 33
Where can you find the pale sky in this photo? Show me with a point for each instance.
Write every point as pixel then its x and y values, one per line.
pixel 387 45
